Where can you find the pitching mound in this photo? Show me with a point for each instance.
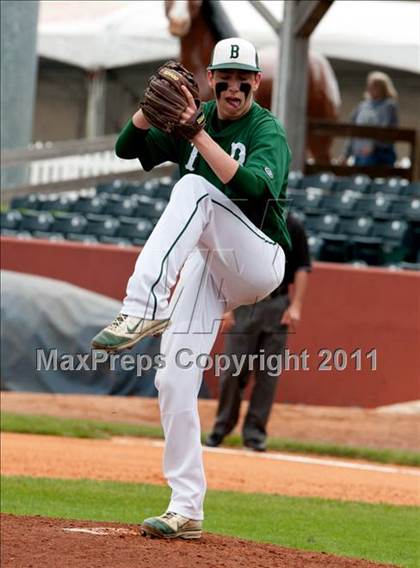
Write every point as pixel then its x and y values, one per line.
pixel 37 541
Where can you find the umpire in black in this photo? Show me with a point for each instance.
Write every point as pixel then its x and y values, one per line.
pixel 258 329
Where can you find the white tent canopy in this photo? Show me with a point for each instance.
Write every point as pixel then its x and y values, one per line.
pixel 110 34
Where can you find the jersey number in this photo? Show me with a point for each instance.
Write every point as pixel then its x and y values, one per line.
pixel 237 152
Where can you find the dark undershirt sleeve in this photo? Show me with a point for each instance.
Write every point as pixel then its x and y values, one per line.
pixel 152 147
pixel 130 141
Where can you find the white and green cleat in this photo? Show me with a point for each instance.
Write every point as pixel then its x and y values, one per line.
pixel 171 525
pixel 125 331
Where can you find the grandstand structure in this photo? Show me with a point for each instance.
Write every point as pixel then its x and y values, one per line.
pixel 348 219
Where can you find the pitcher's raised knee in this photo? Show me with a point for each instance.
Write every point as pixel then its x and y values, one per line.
pixel 192 184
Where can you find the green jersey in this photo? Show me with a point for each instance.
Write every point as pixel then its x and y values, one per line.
pixel 257 141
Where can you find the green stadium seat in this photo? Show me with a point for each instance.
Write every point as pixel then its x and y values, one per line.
pixel 11 219
pixel 360 183
pixel 85 239
pixel 88 204
pixel 118 241
pixel 30 201
pixel 315 245
pixel 339 247
pixel 406 209
pixel 304 200
pixel 139 188
pixel 323 180
pixel 69 223
pixel 373 205
pixel 116 186
pixel 36 221
pixel 318 224
pixel 344 204
pixel 164 189
pixel 117 206
pixel 101 225
pixel 299 215
pixel 150 208
pixel 55 203
pixel 411 190
pixel 389 243
pixel 48 236
pixel 16 234
pixel 294 179
pixel 131 228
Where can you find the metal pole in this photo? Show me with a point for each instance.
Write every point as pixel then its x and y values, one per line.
pixel 18 79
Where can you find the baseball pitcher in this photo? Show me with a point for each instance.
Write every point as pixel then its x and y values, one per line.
pixel 221 240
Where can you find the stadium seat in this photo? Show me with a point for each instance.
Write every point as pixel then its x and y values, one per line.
pixel 317 224
pixel 360 183
pixel 139 188
pixel 101 225
pixel 410 266
pixel 55 203
pixel 299 215
pixel 16 234
pixel 315 246
pixel 116 186
pixel 395 185
pixel 135 229
pixel 406 209
pixel 389 243
pixel 11 219
pixel 85 239
pixel 117 206
pixel 411 190
pixel 339 247
pixel 69 223
pixel 48 236
pixel 294 180
pixel 304 200
pixel 30 201
pixel 87 204
pixel 164 189
pixel 324 180
pixel 373 205
pixel 150 208
pixel 344 204
pixel 36 221
pixel 118 241
pixel 335 248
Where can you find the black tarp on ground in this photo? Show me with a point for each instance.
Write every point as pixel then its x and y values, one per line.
pixel 47 314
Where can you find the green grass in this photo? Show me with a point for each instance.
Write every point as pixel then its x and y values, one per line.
pixel 383 533
pixel 30 424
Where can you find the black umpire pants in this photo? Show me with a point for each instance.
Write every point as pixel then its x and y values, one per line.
pixel 257 330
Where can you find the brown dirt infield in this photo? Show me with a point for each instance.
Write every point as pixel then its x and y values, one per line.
pixel 139 460
pixel 35 541
pixel 348 426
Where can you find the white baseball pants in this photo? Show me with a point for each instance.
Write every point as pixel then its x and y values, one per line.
pixel 222 261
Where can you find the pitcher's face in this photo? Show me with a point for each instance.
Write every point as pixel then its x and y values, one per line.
pixel 234 91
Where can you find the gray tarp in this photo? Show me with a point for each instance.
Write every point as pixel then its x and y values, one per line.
pixel 42 313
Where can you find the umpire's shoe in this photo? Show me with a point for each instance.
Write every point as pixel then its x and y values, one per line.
pixel 125 331
pixel 214 440
pixel 171 525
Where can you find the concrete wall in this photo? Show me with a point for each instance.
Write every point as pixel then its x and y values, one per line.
pixel 346 308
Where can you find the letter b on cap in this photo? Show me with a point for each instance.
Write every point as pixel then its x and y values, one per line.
pixel 234 51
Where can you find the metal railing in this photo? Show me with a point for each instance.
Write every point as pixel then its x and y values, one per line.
pixel 72 164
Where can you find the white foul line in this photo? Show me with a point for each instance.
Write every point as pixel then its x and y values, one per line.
pixel 278 456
